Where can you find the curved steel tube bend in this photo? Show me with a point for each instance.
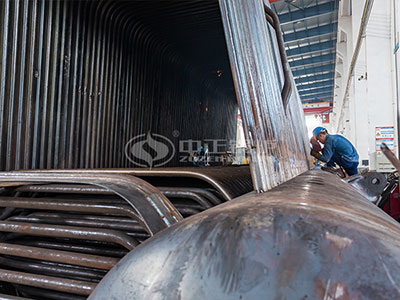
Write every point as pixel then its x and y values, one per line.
pixel 153 208
pixel 229 182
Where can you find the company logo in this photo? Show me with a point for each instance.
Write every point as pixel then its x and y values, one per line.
pixel 149 150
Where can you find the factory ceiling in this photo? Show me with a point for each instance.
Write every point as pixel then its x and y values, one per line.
pixel 309 30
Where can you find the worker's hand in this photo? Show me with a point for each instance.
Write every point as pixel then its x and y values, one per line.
pixel 315 145
pixel 316 154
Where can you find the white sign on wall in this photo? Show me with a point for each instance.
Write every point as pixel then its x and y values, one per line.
pixel 385 135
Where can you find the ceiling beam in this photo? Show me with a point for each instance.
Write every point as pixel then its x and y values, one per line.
pixel 306 13
pixel 321 99
pixel 317 91
pixel 310 33
pixel 313 70
pixel 311 86
pixel 328 45
pixel 313 60
pixel 313 78
pixel 316 95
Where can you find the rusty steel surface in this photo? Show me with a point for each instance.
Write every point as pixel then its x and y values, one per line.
pixel 79 259
pixel 275 134
pixel 64 188
pixel 229 182
pixel 153 208
pixel 64 210
pixel 72 205
pixel 180 192
pixel 72 232
pixel 66 204
pixel 53 269
pixel 79 79
pixel 64 244
pixel 313 237
pixel 84 221
pixel 52 283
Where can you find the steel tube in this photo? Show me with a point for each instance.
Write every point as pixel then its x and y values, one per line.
pixel 58 270
pixel 287 85
pixel 90 206
pixel 86 260
pixel 9 297
pixel 154 209
pixel 87 189
pixel 179 193
pixel 47 282
pixel 39 293
pixel 66 246
pixel 121 220
pixel 70 232
pixel 229 182
pixel 77 221
pixel 64 188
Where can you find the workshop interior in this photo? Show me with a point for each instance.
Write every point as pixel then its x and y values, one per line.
pixel 199 149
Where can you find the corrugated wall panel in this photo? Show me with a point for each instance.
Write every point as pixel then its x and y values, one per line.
pixel 79 79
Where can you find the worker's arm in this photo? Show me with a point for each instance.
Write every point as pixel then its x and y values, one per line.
pixel 328 151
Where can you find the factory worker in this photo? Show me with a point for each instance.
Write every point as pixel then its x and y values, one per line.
pixel 337 149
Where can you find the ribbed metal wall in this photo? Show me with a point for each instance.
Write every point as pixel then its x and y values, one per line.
pixel 274 126
pixel 79 79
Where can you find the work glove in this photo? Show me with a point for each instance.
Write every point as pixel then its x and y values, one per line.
pixel 316 154
pixel 315 144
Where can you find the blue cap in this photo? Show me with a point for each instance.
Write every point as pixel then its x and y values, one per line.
pixel 318 130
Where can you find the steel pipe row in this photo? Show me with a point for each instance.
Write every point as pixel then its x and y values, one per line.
pixel 86 260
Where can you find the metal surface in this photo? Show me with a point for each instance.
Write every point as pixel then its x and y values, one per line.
pixel 313 237
pixel 116 223
pixel 229 182
pixel 273 19
pixel 47 282
pixel 43 294
pixel 53 269
pixel 93 261
pixel 371 185
pixel 8 297
pixel 65 244
pixel 275 136
pixel 153 209
pixel 64 210
pixel 64 188
pixel 72 232
pixel 79 79
pixel 70 205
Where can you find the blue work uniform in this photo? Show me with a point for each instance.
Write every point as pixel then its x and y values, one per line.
pixel 338 149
